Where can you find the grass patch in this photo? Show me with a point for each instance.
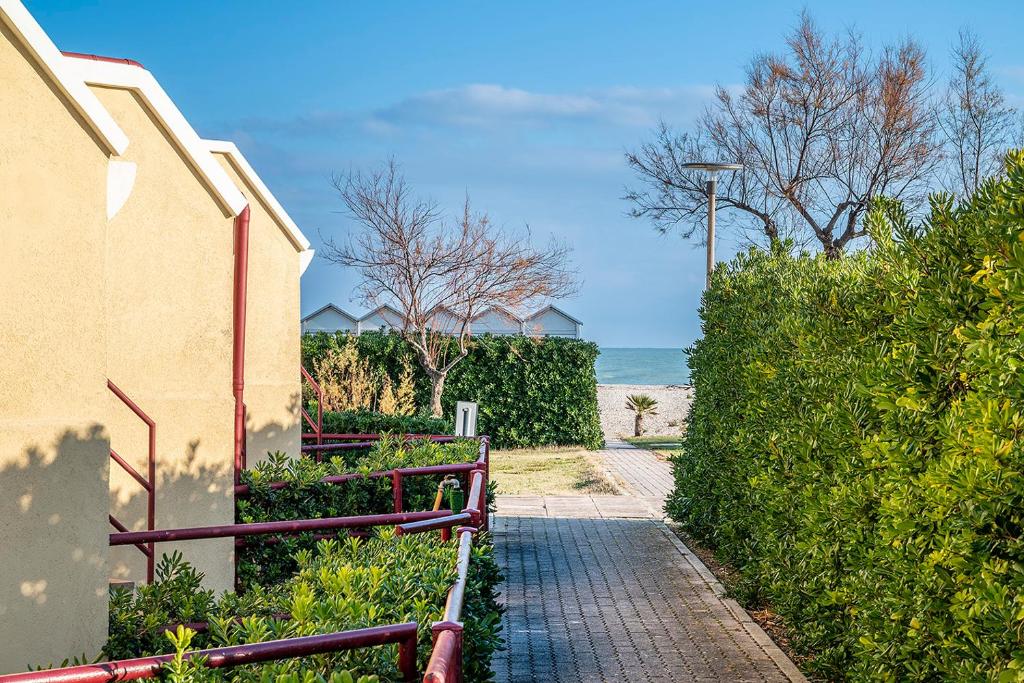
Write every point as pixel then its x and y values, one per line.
pixel 549 471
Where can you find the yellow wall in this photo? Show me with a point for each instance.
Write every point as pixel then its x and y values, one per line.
pixel 272 354
pixel 53 441
pixel 169 267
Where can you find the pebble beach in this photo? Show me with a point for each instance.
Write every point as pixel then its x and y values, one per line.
pixel 617 421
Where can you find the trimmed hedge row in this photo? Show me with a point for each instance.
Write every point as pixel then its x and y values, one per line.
pixel 343 585
pixel 531 392
pixel 855 445
pixel 262 562
pixel 369 422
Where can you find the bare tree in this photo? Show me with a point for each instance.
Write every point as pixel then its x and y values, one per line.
pixel 822 131
pixel 976 123
pixel 440 274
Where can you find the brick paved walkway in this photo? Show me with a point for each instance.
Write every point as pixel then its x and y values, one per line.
pixel 598 588
pixel 639 472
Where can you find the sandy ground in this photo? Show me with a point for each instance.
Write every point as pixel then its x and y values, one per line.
pixel 617 420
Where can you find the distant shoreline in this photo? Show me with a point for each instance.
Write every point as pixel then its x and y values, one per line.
pixel 646 366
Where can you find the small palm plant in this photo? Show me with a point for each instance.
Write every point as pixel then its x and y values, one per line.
pixel 643 405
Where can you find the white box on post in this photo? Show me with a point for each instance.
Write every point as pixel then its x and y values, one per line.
pixel 465 418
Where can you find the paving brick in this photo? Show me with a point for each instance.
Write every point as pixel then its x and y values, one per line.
pixel 598 588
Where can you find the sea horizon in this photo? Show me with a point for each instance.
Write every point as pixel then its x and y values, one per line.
pixel 641 365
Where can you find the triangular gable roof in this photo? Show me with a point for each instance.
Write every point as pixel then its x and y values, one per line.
pixel 498 309
pixel 16 18
pixel 330 307
pixel 382 307
pixel 244 169
pixel 132 76
pixel 550 307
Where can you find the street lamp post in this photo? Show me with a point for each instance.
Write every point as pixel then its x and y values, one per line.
pixel 713 169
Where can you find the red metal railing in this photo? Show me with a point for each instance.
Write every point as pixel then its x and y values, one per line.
pixel 397 475
pixel 318 426
pixel 237 655
pixel 148 483
pixel 286 527
pixel 445 665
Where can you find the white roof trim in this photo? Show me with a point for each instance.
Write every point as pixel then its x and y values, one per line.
pixel 333 308
pixel 500 311
pixel 381 308
pixel 305 258
pixel 14 15
pixel 138 79
pixel 550 307
pixel 230 149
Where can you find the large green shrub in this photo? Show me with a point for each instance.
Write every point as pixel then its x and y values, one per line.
pixel 855 442
pixel 262 561
pixel 340 586
pixel 531 392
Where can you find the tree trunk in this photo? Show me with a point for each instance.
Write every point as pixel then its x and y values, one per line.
pixel 638 425
pixel 436 388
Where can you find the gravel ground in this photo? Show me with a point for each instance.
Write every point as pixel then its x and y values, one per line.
pixel 617 421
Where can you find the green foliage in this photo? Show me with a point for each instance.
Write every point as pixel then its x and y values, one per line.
pixel 369 422
pixel 855 447
pixel 263 562
pixel 531 392
pixel 138 620
pixel 339 586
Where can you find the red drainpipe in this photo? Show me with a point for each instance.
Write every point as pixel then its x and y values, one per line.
pixel 238 359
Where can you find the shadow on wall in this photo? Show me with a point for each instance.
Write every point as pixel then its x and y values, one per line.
pixel 185 483
pixel 53 562
pixel 202 493
pixel 268 435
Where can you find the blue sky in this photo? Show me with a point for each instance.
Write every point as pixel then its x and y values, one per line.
pixel 527 106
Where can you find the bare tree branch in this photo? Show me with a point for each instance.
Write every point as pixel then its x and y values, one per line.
pixel 440 274
pixel 822 131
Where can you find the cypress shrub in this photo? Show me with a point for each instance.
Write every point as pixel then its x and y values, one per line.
pixel 531 392
pixel 854 447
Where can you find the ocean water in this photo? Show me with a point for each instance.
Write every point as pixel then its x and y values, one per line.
pixel 641 366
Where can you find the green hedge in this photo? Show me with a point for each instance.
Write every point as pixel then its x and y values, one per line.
pixel 343 585
pixel 263 563
pixel 531 392
pixel 370 422
pixel 855 448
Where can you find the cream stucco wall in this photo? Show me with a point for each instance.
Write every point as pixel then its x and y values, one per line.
pixel 272 353
pixel 53 441
pixel 168 311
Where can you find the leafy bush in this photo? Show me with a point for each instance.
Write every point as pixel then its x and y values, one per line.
pixel 855 449
pixel 262 561
pixel 193 669
pixel 343 585
pixel 531 392
pixel 368 422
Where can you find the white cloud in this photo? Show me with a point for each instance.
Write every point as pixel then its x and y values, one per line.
pixel 485 106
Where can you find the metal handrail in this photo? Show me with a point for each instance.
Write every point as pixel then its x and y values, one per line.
pixel 296 526
pixel 237 655
pixel 445 664
pixel 397 475
pixel 148 483
pixel 319 424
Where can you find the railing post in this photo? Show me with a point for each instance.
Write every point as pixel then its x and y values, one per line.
pixel 396 489
pixel 446 670
pixel 407 658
